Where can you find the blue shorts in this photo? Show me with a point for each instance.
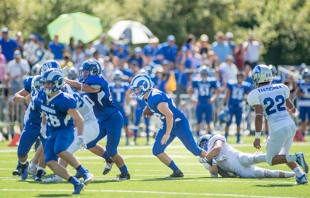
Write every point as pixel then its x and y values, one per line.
pixel 112 128
pixel 237 111
pixel 206 110
pixel 303 113
pixel 125 118
pixel 30 134
pixel 181 129
pixel 57 142
pixel 137 117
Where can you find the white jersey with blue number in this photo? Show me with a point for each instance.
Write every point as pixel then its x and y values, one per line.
pixel 83 105
pixel 273 100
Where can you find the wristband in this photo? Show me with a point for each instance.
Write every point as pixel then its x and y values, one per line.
pixel 81 86
pixel 257 135
pixel 292 109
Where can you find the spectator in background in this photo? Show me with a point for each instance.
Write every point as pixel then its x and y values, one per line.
pixel 2 65
pixel 89 51
pixel 159 78
pixel 302 67
pixel 81 45
pixel 56 48
pixel 190 41
pixel 78 57
pixel 251 48
pixel 137 57
pixel 212 60
pixel 221 47
pixel 20 41
pixel 67 61
pixel 150 51
pixel 239 56
pixel 203 44
pixel 101 46
pixel 195 58
pixel 184 57
pixel 71 47
pixel 112 49
pixel 228 70
pixel 120 52
pixel 168 50
pixel 181 80
pixel 231 43
pixel 8 44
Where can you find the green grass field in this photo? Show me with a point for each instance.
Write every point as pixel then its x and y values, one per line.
pixel 148 177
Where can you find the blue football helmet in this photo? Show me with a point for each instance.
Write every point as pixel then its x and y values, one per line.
pixel 224 116
pixel 141 84
pixel 203 141
pixel 92 66
pixel 204 72
pixel 48 65
pixel 72 74
pixel 36 84
pixel 54 76
pixel 118 76
pixel 35 69
pixel 261 74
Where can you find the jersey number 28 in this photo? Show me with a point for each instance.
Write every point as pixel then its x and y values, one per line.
pixel 274 105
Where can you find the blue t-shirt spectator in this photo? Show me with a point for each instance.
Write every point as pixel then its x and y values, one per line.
pixel 169 52
pixel 8 45
pixel 56 49
pixel 222 50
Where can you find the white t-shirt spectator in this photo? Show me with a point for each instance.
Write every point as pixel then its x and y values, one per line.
pixel 252 52
pixel 229 72
pixel 78 59
pixel 18 70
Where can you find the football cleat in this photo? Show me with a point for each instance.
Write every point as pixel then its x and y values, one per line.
pixel 17 171
pixel 108 166
pixel 24 170
pixel 32 169
pixel 78 188
pixel 302 180
pixel 176 174
pixel 38 176
pixel 88 177
pixel 300 159
pixel 78 175
pixel 123 176
pixel 54 179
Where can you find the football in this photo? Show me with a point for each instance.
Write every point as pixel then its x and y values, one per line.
pixel 147 112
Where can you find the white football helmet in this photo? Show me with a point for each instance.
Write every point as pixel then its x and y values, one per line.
pixel 261 74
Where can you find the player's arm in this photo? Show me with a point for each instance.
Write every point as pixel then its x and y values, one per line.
pixel 78 120
pixel 213 170
pixel 83 87
pixel 164 109
pixel 215 151
pixel 21 96
pixel 228 92
pixel 43 118
pixel 258 124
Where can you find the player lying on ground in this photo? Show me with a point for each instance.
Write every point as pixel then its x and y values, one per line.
pixel 223 157
pixel 272 101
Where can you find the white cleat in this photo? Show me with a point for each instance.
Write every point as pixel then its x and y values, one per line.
pixel 302 162
pixel 108 166
pixel 302 180
pixel 32 169
pixel 54 179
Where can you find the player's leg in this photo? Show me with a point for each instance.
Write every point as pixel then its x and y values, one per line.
pixel 63 140
pixel 147 130
pixel 114 128
pixel 266 173
pixel 199 112
pixel 231 112
pixel 35 161
pixel 302 115
pixel 247 159
pixel 208 113
pixel 126 123
pixel 158 150
pixel 137 117
pixel 238 114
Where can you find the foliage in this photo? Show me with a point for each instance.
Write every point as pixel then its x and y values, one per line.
pixel 282 26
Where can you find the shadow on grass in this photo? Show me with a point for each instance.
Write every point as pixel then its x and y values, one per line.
pixel 275 185
pixel 169 179
pixel 104 181
pixel 54 195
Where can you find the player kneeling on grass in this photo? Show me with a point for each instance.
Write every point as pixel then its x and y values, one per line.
pixel 272 101
pixel 222 157
pixel 58 113
pixel 175 123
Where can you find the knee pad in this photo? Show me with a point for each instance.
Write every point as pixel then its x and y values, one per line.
pixel 111 150
pixel 157 150
pixel 23 150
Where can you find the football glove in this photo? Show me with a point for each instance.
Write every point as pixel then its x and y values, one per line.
pixel 81 142
pixel 43 130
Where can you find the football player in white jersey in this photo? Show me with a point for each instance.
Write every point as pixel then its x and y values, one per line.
pixel 272 101
pixel 223 157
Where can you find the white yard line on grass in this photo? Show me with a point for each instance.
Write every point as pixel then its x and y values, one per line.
pixel 145 192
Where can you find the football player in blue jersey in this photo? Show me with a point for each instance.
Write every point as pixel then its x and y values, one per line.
pixel 203 87
pixel 120 96
pixel 59 116
pixel 109 118
pixel 175 123
pixel 276 79
pixel 233 102
pixel 303 94
pixel 31 130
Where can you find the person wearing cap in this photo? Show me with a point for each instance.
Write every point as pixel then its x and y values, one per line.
pixel 150 51
pixel 121 52
pixel 101 46
pixel 251 48
pixel 8 44
pixel 137 57
pixel 56 48
pixel 168 50
pixel 231 43
pixel 20 41
pixel 203 44
pixel 221 47
pixel 228 70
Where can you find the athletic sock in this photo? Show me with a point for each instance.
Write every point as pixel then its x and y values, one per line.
pixel 298 172
pixel 22 163
pixel 290 158
pixel 173 166
pixel 289 174
pixel 40 168
pixel 74 180
pixel 123 169
pixel 105 155
pixel 80 169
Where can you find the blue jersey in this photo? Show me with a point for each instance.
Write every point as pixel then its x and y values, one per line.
pixel 204 89
pixel 32 113
pixel 119 93
pixel 304 88
pixel 155 98
pixel 237 93
pixel 101 101
pixel 276 80
pixel 55 110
